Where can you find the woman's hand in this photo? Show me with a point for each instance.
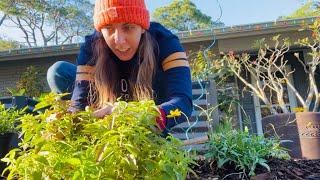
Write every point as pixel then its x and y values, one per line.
pixel 161 122
pixel 101 113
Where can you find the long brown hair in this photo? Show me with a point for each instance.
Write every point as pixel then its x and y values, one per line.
pixel 106 76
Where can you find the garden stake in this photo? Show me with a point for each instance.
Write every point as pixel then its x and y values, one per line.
pixel 198 140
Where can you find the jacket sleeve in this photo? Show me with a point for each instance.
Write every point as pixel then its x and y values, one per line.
pixel 178 88
pixel 79 99
pixel 177 80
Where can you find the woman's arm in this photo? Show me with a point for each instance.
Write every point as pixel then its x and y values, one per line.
pixel 79 99
pixel 178 87
pixel 176 84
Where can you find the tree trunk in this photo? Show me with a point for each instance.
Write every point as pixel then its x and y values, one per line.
pixel 24 32
pixel 2 19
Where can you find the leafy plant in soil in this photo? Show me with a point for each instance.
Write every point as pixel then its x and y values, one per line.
pixel 243 150
pixel 57 144
pixel 280 170
pixel 8 119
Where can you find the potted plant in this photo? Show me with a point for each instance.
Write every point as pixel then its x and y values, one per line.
pixel 8 120
pixel 270 78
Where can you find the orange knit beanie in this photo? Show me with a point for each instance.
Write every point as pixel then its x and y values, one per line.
pixel 119 11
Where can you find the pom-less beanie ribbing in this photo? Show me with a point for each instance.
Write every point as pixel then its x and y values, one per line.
pixel 120 11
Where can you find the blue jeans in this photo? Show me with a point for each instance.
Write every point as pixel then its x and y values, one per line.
pixel 61 77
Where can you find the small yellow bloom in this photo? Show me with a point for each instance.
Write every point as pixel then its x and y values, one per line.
pixel 298 109
pixel 283 81
pixel 175 113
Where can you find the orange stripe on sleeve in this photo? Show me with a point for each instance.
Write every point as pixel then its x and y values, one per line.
pixel 85 69
pixel 176 63
pixel 85 73
pixel 84 77
pixel 174 60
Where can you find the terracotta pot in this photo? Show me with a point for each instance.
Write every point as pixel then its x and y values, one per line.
pixel 300 133
pixel 5 143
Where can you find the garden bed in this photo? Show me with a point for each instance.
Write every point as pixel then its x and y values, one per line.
pixel 86 147
pixel 280 169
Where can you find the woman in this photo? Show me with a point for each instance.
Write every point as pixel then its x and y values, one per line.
pixel 127 57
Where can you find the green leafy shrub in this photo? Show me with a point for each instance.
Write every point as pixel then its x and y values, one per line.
pixel 61 145
pixel 243 150
pixel 6 44
pixel 16 92
pixel 31 82
pixel 8 119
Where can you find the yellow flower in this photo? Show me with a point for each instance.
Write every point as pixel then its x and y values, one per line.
pixel 298 109
pixel 175 113
pixel 283 81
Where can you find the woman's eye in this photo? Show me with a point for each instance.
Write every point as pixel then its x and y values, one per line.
pixel 128 27
pixel 109 28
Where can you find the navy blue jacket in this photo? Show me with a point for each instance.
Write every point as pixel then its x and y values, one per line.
pixel 172 88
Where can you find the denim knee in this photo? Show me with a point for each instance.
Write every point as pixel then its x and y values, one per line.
pixel 61 77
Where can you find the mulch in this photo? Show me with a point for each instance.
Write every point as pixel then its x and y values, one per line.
pixel 280 169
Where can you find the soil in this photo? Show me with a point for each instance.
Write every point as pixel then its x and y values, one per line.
pixel 280 169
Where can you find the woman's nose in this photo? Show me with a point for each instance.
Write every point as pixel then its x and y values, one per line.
pixel 119 37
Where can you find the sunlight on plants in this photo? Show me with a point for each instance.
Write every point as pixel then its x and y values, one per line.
pixel 243 150
pixel 61 145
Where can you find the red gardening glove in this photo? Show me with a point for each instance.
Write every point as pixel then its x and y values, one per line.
pixel 161 120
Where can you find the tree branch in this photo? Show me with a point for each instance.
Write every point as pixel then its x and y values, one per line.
pixel 3 18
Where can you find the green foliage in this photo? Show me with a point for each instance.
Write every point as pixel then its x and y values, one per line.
pixel 206 65
pixel 16 92
pixel 6 6
pixel 182 15
pixel 227 102
pixel 269 75
pixel 74 19
pixel 310 9
pixel 62 145
pixel 8 119
pixel 8 44
pixel 31 82
pixel 50 22
pixel 313 41
pixel 201 65
pixel 242 149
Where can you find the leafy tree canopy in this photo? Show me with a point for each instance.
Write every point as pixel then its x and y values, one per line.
pixel 310 9
pixel 182 15
pixel 49 22
pixel 6 44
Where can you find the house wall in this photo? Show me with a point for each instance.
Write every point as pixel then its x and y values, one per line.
pixel 246 43
pixel 202 45
pixel 247 109
pixel 10 71
pixel 299 76
pixel 300 81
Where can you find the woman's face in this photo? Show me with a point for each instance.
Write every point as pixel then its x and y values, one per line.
pixel 123 39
